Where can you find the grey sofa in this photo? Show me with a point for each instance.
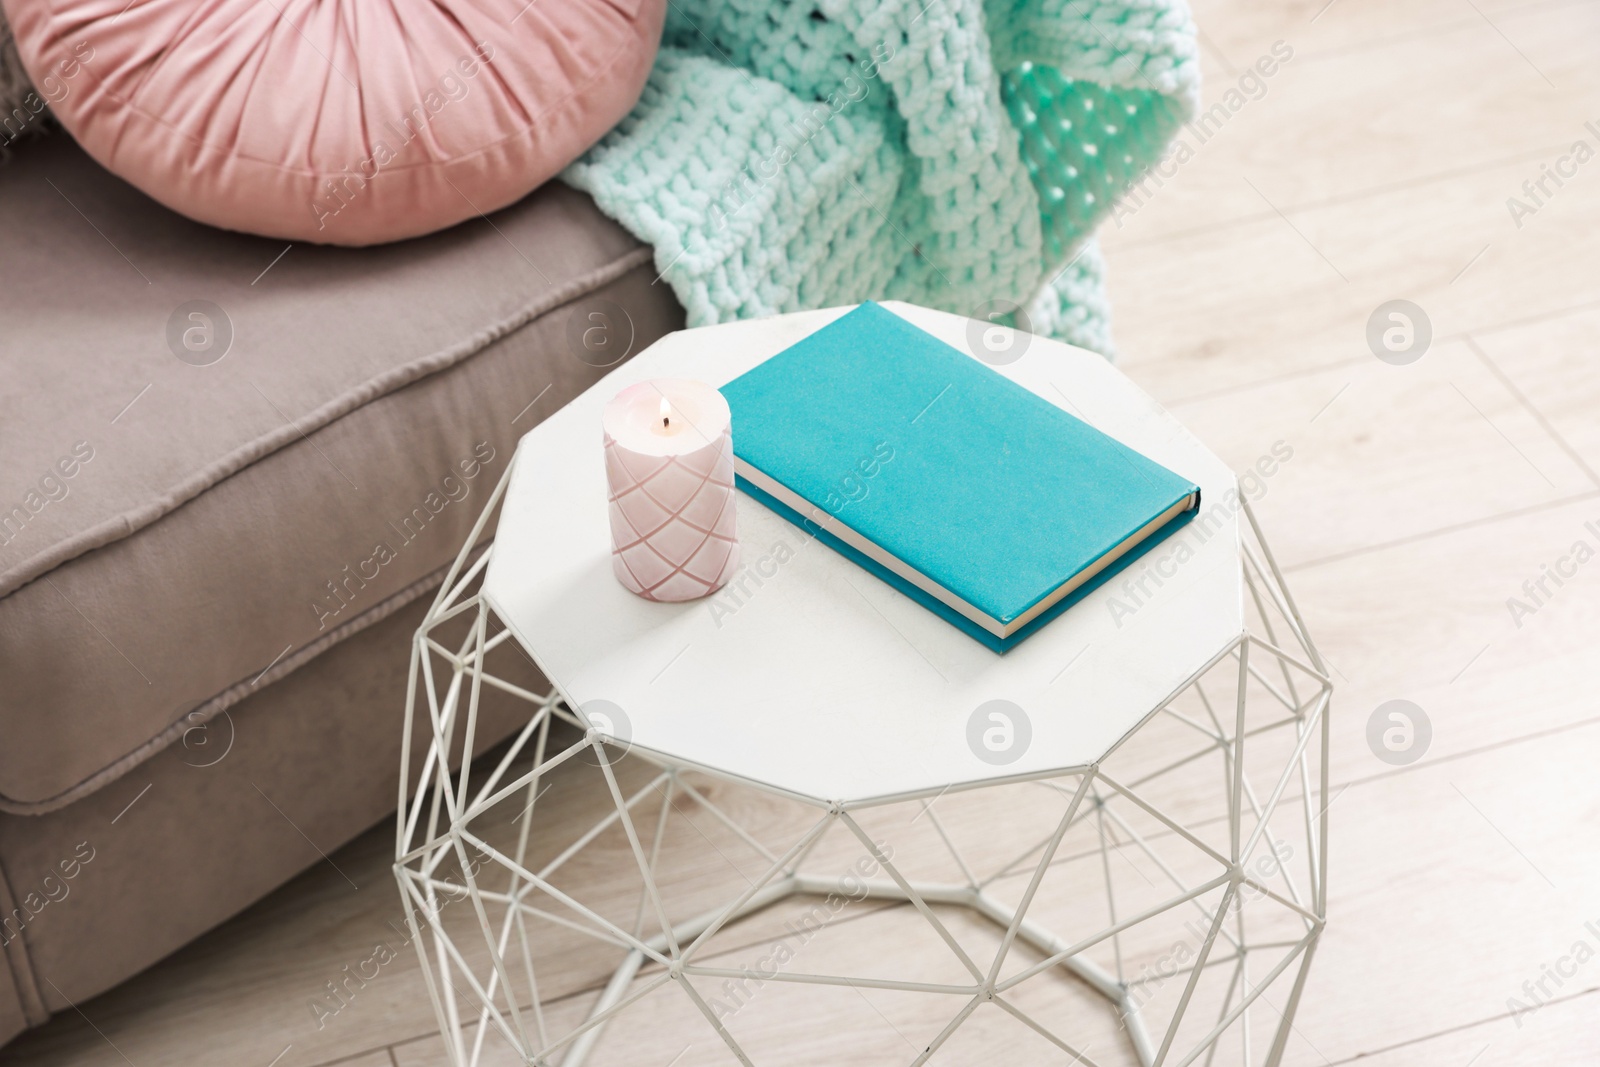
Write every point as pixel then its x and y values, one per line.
pixel 217 533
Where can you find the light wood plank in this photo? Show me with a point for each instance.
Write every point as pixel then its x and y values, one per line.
pixel 1550 363
pixel 1442 908
pixel 1383 453
pixel 1238 26
pixel 1559 1034
pixel 370 1059
pixel 1343 125
pixel 1257 301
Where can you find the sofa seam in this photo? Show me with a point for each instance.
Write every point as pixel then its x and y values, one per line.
pixel 232 696
pixel 29 997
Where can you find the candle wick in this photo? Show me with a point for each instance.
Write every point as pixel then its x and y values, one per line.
pixel 666 421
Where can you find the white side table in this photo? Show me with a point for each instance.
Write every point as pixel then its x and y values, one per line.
pixel 809 680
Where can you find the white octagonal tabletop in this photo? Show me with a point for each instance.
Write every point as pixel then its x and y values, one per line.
pixel 809 676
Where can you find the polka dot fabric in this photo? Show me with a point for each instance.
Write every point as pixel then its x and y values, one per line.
pixel 788 155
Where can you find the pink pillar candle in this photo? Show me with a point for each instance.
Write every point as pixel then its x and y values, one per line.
pixel 669 469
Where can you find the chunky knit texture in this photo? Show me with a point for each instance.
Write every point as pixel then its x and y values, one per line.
pixel 951 153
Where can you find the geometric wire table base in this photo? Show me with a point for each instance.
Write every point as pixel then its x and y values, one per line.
pixel 1244 892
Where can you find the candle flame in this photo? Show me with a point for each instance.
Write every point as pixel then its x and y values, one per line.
pixel 666 412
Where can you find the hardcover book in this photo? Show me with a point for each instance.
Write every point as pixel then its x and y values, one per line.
pixel 967 492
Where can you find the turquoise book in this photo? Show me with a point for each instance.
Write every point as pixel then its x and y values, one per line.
pixel 987 504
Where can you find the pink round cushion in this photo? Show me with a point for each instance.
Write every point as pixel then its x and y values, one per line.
pixel 337 121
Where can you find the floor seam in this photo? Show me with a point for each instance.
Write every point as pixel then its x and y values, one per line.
pixel 1538 416
pixel 1442 531
pixel 1340 199
pixel 1458 1029
pixel 1441 29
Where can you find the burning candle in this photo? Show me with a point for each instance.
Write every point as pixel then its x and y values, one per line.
pixel 669 469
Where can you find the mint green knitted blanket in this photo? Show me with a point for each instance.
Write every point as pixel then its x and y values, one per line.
pixel 951 153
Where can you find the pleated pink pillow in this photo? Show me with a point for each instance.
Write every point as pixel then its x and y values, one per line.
pixel 344 122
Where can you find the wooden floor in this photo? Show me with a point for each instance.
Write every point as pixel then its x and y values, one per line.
pixel 1377 165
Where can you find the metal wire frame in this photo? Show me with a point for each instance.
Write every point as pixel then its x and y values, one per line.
pixel 435 817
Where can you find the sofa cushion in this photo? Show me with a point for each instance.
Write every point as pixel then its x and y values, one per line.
pixel 317 754
pixel 219 448
pixel 347 122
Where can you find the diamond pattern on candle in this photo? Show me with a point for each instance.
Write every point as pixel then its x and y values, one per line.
pixel 672 521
